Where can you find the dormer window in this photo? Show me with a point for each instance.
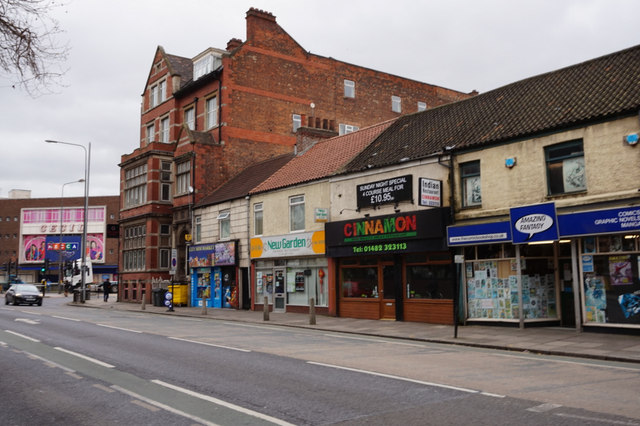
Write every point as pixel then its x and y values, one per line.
pixel 205 65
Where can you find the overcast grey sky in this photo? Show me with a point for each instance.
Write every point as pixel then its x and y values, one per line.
pixel 458 44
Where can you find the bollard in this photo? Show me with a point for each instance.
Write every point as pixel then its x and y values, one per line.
pixel 265 315
pixel 144 301
pixel 312 311
pixel 204 306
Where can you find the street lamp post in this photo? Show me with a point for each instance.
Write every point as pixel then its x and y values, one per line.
pixel 87 165
pixel 60 236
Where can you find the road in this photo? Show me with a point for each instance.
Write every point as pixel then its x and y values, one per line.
pixel 69 365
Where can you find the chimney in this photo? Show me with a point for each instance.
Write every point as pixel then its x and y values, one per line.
pixel 234 43
pixel 258 21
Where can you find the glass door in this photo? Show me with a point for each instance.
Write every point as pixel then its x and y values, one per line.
pixel 279 291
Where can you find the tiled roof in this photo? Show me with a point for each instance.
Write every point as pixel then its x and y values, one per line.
pixel 240 185
pixel 601 88
pixel 182 67
pixel 324 159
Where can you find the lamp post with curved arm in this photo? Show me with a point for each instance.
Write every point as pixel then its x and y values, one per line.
pixel 60 234
pixel 83 254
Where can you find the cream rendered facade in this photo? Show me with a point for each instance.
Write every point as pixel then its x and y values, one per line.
pixel 576 279
pixel 289 268
pixel 611 167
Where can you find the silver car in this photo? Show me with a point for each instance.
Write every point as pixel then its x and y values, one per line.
pixel 23 293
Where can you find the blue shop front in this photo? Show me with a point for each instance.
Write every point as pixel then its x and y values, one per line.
pixel 578 268
pixel 214 274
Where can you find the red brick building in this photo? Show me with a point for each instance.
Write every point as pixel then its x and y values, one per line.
pixel 26 220
pixel 204 119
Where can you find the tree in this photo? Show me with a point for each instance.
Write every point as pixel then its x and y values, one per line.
pixel 30 56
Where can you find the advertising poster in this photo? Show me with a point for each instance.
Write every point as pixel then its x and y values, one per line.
pixel 620 270
pixel 95 247
pixel 34 248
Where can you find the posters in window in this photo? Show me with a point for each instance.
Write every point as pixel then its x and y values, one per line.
pixel 573 174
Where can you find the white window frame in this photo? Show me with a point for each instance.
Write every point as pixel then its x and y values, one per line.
pixel 183 177
pixel 197 232
pixel 190 118
pixel 164 130
pixel 349 89
pixel 162 91
pixel 296 213
pixel 211 108
pixel 296 122
pixel 258 218
pixel 224 223
pixel 344 129
pixel 396 103
pixel 422 106
pixel 153 96
pixel 135 186
pixel 151 130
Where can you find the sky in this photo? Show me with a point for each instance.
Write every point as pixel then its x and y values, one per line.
pixel 463 45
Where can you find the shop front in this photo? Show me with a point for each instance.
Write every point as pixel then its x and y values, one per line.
pixel 570 269
pixel 214 274
pixel 395 267
pixel 290 270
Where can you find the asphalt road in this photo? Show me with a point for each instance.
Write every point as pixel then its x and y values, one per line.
pixel 68 365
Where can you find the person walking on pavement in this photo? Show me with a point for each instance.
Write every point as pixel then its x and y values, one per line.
pixel 106 288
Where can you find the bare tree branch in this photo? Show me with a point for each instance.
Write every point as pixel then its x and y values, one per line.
pixel 30 56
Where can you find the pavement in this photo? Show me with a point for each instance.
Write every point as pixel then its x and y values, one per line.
pixel 604 344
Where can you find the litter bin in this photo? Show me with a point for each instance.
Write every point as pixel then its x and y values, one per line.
pixel 158 296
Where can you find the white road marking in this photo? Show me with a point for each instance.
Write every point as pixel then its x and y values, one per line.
pixel 103 387
pixel 209 344
pixel 560 361
pixel 120 328
pixel 389 342
pixel 597 419
pixel 23 336
pixel 389 376
pixel 262 327
pixel 65 318
pixel 543 408
pixel 87 358
pixel 30 313
pixel 224 404
pixel 144 405
pixel 27 320
pixel 163 406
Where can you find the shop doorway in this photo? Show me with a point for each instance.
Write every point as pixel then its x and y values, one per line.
pixel 279 291
pixel 391 292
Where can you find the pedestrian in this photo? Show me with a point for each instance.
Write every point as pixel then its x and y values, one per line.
pixel 106 288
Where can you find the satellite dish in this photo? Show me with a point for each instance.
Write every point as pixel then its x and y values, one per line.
pixel 190 189
pixel 312 105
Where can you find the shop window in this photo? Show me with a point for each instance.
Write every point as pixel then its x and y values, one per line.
pixel 257 218
pixel 360 282
pixel 565 168
pixel 470 181
pixel 469 253
pixel 296 213
pixel 489 251
pixel 429 282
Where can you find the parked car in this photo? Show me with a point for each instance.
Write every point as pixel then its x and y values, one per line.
pixel 23 293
